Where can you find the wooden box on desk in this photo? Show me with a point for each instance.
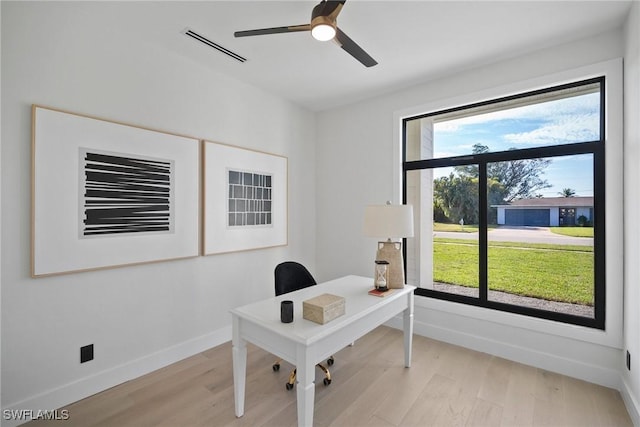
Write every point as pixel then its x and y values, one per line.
pixel 323 308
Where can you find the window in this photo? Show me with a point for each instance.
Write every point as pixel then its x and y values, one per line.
pixel 509 200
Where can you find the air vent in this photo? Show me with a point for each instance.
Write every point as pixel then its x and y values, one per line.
pixel 216 46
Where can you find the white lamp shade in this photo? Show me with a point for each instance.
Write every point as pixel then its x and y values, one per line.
pixel 388 221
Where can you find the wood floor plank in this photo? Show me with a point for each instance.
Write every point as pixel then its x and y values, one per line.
pixel 362 374
pixel 445 386
pixel 548 386
pixel 549 409
pixel 472 372
pixel 383 370
pixel 519 401
pixel 405 386
pixel 431 402
pixel 496 381
pixel 579 401
pixel 485 413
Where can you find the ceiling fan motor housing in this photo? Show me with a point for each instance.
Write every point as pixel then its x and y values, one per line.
pixel 318 19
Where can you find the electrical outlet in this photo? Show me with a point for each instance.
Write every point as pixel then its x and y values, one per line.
pixel 628 360
pixel 86 353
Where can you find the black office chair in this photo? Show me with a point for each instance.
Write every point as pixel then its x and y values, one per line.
pixel 291 276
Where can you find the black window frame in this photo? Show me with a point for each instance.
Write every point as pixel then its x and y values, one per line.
pixel 596 148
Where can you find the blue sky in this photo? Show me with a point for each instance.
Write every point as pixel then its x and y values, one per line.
pixel 566 120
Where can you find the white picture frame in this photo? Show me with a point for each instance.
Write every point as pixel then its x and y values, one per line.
pixel 247 212
pixel 153 216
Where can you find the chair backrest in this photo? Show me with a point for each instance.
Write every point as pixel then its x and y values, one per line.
pixel 291 276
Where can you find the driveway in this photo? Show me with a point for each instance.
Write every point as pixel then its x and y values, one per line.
pixel 521 234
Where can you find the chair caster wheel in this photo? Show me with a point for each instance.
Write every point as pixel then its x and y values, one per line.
pixel 276 367
pixel 330 361
pixel 327 381
pixel 289 386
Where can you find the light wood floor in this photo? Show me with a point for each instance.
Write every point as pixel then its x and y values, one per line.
pixel 446 385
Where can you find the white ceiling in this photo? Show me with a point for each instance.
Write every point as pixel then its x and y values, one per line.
pixel 413 41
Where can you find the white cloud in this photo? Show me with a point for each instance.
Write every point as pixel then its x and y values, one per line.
pixel 565 120
pixel 560 129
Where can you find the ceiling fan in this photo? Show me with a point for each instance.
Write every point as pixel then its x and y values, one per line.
pixel 323 27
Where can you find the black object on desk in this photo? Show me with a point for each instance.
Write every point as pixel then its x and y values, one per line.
pixel 286 311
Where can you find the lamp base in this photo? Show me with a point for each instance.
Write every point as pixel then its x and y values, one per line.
pixel 392 253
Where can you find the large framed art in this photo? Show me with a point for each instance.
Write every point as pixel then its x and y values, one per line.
pixel 245 199
pixel 106 194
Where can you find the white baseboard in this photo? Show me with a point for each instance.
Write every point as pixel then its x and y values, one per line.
pixel 550 362
pixel 72 392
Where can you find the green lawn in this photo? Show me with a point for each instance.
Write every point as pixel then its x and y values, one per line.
pixel 573 231
pixel 551 272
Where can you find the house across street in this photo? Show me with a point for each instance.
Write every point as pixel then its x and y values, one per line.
pixel 545 211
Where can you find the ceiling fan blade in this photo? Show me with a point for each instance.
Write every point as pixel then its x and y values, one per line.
pixel 275 30
pixel 353 49
pixel 332 8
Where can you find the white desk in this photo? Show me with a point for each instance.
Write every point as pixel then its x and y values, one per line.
pixel 304 343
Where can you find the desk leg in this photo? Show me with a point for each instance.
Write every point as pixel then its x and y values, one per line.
pixel 239 367
pixel 305 388
pixel 408 331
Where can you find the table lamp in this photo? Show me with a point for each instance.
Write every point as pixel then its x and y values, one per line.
pixel 390 221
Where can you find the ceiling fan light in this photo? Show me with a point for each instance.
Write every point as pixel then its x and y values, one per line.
pixel 323 32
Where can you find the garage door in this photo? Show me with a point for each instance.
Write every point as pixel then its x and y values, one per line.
pixel 533 217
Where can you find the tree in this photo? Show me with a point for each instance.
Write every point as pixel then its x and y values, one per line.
pixel 457 198
pixel 520 179
pixel 567 192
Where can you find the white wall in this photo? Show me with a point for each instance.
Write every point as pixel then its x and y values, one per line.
pixel 139 318
pixel 631 378
pixel 360 158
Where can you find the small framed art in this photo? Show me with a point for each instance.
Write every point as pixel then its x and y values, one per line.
pixel 245 199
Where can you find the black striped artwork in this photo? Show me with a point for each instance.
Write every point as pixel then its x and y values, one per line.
pixel 125 194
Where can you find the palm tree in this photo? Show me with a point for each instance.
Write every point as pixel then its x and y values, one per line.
pixel 567 192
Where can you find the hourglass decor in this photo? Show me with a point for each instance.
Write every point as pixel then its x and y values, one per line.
pixel 381 277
